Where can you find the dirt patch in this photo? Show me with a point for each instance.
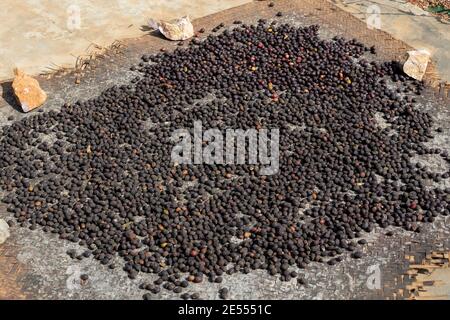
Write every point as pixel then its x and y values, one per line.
pixel 11 274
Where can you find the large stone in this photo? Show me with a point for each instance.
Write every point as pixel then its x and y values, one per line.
pixel 4 231
pixel 178 29
pixel 417 63
pixel 28 91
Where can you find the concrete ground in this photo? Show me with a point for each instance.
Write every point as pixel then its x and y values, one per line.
pixel 35 265
pixel 43 35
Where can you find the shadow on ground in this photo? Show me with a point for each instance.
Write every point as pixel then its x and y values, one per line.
pixel 8 95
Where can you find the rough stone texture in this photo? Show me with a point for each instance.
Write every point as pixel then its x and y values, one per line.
pixel 178 29
pixel 28 91
pixel 35 265
pixel 4 231
pixel 416 65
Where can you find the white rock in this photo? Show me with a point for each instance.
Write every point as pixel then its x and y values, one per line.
pixel 417 62
pixel 178 29
pixel 4 231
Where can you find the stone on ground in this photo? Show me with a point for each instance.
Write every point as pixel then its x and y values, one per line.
pixel 416 65
pixel 178 29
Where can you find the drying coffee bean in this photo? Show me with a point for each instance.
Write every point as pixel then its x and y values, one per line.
pixel 177 289
pixel 185 296
pixel 145 286
pixel 357 255
pixel 71 253
pixel 156 290
pixel 195 296
pixel 223 293
pixel 169 286
pixel 147 296
pixel 184 284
